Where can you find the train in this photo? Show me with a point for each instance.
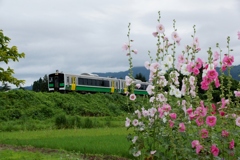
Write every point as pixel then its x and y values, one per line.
pixel 91 83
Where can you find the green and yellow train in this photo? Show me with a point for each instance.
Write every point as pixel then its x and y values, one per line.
pixel 91 83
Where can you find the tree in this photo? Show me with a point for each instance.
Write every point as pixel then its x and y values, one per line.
pixel 41 85
pixel 5 87
pixel 140 77
pixel 7 54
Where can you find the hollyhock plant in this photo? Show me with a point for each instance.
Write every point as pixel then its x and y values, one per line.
pixel 183 108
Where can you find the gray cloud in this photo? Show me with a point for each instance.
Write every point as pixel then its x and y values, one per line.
pixel 86 36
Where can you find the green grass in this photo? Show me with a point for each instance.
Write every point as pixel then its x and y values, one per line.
pixel 104 141
pixel 26 155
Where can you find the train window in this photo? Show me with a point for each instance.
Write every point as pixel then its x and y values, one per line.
pixel 98 83
pixel 67 79
pixel 85 81
pixel 80 81
pixel 89 82
pixel 50 79
pixel 106 83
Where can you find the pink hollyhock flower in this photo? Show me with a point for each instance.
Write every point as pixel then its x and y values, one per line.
pixel 147 65
pixel 195 71
pixel 207 79
pixel 182 127
pixel 173 116
pixel 215 63
pixel 199 63
pixel 175 36
pixel 178 41
pixel 132 97
pixel 202 111
pixel 224 67
pixel 237 93
pixel 214 150
pixel 212 74
pixel 138 85
pixel 149 89
pixel 238 35
pixel 135 51
pixel 216 82
pixel 181 58
pixel 161 112
pixel 166 107
pixel 199 121
pixel 222 113
pixel 135 122
pixel 171 123
pixel 189 110
pixel 195 143
pixel 196 42
pixel 224 103
pixel 204 85
pixel 213 109
pixel 155 34
pixel 204 133
pixel 160 28
pixel 165 38
pixel 225 133
pixel 238 121
pixel 127 122
pixel 128 80
pixel 211 121
pixel 216 56
pixel 199 148
pixel 192 116
pixel 231 144
pixel 154 67
pixel 125 46
pixel 228 60
pixel 152 111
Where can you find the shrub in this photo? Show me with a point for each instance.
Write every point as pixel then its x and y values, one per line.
pixel 61 121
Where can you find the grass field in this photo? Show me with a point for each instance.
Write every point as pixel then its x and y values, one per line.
pixel 103 141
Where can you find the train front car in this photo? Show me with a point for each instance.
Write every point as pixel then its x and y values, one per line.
pixel 56 82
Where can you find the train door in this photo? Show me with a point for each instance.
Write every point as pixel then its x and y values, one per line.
pixel 73 85
pixel 112 86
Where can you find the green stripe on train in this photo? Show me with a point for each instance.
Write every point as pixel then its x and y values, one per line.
pixel 140 92
pixel 92 88
pixel 103 89
pixel 51 85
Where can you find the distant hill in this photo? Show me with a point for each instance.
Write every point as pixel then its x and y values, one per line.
pixel 122 74
pixel 235 71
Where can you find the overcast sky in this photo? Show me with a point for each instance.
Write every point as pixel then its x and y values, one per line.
pixel 76 36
